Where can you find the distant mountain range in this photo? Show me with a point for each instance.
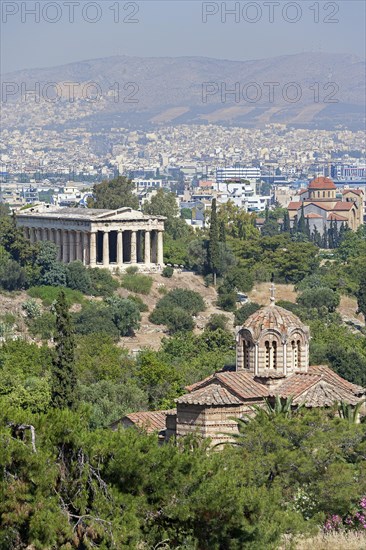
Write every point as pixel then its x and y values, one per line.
pixel 304 90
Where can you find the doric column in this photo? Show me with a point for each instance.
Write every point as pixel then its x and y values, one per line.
pixel 39 234
pixel 147 248
pixel 44 234
pixel 85 248
pixel 93 249
pixel 106 248
pixel 133 248
pixel 79 246
pixel 58 243
pixel 31 235
pixel 160 248
pixel 65 245
pixel 119 248
pixel 71 246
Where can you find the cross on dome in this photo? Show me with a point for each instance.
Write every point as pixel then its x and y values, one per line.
pixel 272 294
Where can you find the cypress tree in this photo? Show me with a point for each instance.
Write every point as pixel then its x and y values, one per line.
pixel 361 298
pixel 308 232
pixel 213 243
pixel 63 365
pixel 294 226
pixel 286 222
pixel 222 231
pixel 302 224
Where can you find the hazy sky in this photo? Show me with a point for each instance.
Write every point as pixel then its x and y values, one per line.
pixel 74 30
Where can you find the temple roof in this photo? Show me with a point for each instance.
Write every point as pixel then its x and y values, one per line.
pixel 86 214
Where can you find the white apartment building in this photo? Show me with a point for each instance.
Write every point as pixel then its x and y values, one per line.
pixel 237 172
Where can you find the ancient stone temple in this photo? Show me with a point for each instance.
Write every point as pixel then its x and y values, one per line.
pixel 98 238
pixel 272 359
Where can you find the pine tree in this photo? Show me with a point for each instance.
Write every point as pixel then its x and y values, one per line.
pixel 213 243
pixel 63 366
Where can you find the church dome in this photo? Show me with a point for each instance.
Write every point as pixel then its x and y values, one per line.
pixel 272 318
pixel 322 183
pixel 272 342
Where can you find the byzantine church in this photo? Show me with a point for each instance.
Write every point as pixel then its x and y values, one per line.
pixel 323 205
pixel 272 359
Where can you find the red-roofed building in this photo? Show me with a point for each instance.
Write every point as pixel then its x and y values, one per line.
pixel 321 200
pixel 272 360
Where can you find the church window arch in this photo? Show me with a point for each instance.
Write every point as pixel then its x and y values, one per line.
pixel 294 350
pixel 274 355
pixel 246 354
pixel 268 353
pixel 298 343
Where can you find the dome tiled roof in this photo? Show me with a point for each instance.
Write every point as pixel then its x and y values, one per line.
pixel 322 183
pixel 273 317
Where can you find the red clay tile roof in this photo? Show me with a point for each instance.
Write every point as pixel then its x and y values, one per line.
pixel 322 183
pixel 272 317
pixel 151 421
pixel 336 217
pixel 323 394
pixel 296 384
pixel 343 205
pixel 314 216
pixel 326 205
pixel 213 394
pixel 332 377
pixel 242 384
pixel 294 205
pixel 355 191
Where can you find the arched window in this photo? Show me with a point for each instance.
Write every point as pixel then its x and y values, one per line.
pixel 268 351
pixel 274 355
pixel 294 354
pixel 298 345
pixel 246 353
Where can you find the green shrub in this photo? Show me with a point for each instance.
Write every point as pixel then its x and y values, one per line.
pixel 48 294
pixel 318 298
pixel 217 321
pixel 188 300
pixel 238 278
pixel 103 284
pixel 132 269
pixel 96 318
pixel 141 284
pixel 32 308
pixel 242 314
pixel 42 327
pixel 175 318
pixel 168 271
pixel 78 277
pixel 139 302
pixel 227 301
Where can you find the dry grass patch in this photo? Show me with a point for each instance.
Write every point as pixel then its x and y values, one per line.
pixel 334 541
pixel 260 293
